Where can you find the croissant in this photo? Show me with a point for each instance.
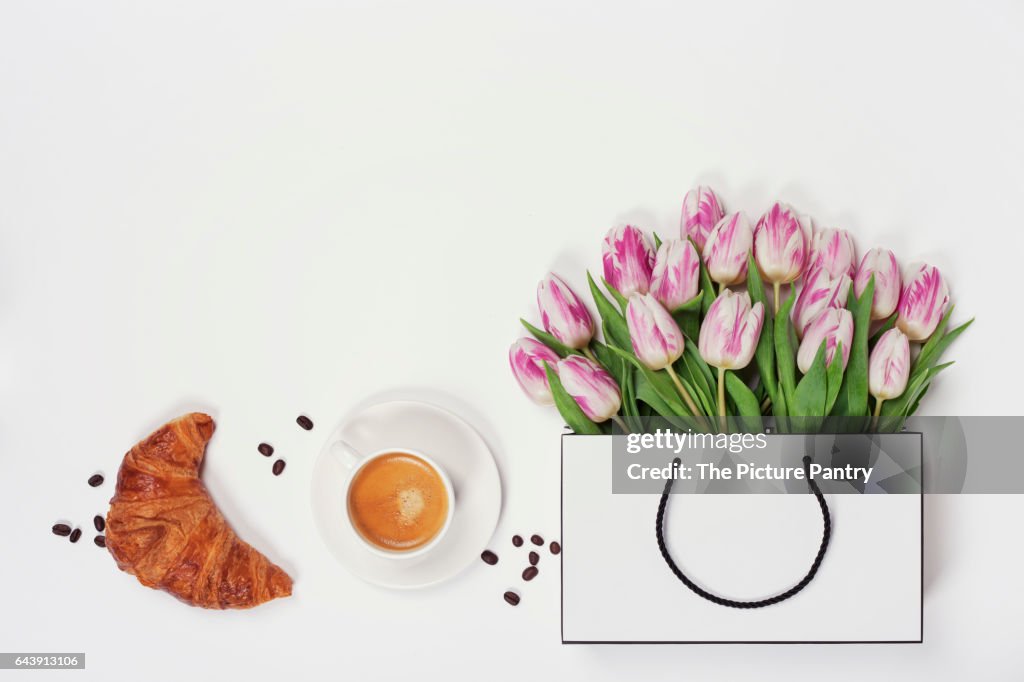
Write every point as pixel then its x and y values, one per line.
pixel 164 528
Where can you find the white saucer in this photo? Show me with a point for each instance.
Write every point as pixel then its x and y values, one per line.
pixel 446 439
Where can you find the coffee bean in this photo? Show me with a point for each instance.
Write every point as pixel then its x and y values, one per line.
pixel 534 558
pixel 61 529
pixel 489 557
pixel 512 598
pixel 305 422
pixel 517 540
pixel 75 534
pixel 100 541
pixel 265 449
pixel 537 540
pixel 278 467
pixel 555 547
pixel 530 573
pixel 99 523
pixel 96 480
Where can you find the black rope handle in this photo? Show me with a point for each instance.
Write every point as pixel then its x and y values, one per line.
pixel 722 601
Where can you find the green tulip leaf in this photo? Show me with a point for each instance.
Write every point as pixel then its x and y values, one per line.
pixel 834 378
pixel 647 394
pixel 550 341
pixel 852 400
pixel 904 405
pixel 660 381
pixel 694 381
pixel 810 394
pixel 937 344
pixel 747 405
pixel 611 362
pixel 692 365
pixel 614 323
pixel 889 323
pixel 619 298
pixel 707 287
pixel 764 355
pixel 568 408
pixel 630 409
pixel 785 352
pixel 687 316
pixel 691 306
pixel 928 349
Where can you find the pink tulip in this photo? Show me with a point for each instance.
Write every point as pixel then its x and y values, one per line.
pixel 889 366
pixel 818 292
pixel 780 245
pixel 834 326
pixel 628 260
pixel 593 389
pixel 725 252
pixel 676 278
pixel 701 212
pixel 657 341
pixel 527 357
pixel 563 313
pixel 730 331
pixel 882 264
pixel 923 302
pixel 832 250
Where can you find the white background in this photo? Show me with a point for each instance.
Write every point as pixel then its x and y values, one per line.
pixel 260 210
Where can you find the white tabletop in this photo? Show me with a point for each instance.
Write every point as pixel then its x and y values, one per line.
pixel 261 211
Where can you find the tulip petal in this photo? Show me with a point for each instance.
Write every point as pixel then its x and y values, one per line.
pixel 725 252
pixel 701 212
pixel 563 314
pixel 628 260
pixel 780 245
pixel 923 302
pixel 591 386
pixel 655 336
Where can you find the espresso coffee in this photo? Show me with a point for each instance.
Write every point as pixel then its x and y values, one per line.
pixel 398 502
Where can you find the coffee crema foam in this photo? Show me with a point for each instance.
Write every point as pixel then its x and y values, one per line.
pixel 398 502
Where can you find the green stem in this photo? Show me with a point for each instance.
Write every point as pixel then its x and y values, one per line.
pixel 686 396
pixel 590 354
pixel 776 287
pixel 721 399
pixel 622 425
pixel 878 413
pixel 721 288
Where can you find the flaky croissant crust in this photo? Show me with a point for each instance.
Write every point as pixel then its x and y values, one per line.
pixel 164 528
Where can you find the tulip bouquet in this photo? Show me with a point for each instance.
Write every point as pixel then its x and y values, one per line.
pixel 680 331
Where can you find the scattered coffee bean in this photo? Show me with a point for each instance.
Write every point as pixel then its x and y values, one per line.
pixel 534 558
pixel 537 540
pixel 96 480
pixel 305 422
pixel 530 573
pixel 75 534
pixel 517 540
pixel 265 449
pixel 100 541
pixel 99 523
pixel 61 529
pixel 555 547
pixel 278 467
pixel 489 557
pixel 512 598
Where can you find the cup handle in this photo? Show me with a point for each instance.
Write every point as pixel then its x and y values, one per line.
pixel 345 454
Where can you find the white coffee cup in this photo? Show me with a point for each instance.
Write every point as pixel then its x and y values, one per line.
pixel 354 461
